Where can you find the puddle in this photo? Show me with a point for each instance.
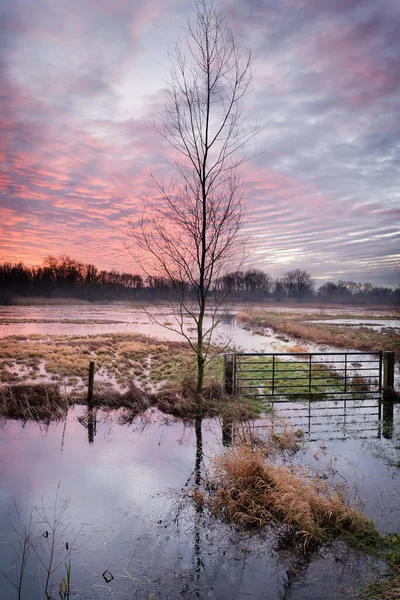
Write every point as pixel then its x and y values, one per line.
pixel 128 487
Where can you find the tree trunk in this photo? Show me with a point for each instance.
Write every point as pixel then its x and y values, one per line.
pixel 200 360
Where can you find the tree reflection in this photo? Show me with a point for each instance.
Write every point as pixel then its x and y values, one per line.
pixel 198 562
pixel 227 426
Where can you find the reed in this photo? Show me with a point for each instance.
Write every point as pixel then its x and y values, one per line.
pixel 41 402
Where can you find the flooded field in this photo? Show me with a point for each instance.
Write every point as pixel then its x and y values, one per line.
pixel 121 490
pixel 122 318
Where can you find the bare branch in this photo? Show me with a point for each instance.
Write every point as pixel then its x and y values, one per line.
pixel 188 236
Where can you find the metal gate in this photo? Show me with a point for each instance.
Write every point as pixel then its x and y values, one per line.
pixel 319 374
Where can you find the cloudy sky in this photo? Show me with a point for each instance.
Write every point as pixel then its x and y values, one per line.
pixel 82 80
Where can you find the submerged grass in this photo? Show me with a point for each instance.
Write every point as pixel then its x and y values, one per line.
pixel 384 590
pixel 389 588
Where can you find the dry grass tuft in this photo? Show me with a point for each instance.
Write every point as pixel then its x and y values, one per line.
pixel 249 491
pixel 33 403
pixel 134 401
pixel 133 398
pixel 297 349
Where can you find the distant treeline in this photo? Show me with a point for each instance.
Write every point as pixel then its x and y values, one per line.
pixel 66 277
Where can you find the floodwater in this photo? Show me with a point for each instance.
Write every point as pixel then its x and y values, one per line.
pixel 130 506
pixel 129 488
pixel 122 318
pixel 375 324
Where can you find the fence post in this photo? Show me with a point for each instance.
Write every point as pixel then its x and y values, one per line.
pixel 91 381
pixel 388 370
pixel 228 373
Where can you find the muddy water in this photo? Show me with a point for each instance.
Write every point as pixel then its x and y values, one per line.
pixel 129 503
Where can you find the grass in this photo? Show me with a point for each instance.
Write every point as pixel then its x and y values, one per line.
pixel 278 437
pixel 290 377
pixel 33 403
pixel 122 356
pixel 384 590
pixel 389 588
pixel 248 490
pixel 303 327
pixel 132 371
pixel 45 402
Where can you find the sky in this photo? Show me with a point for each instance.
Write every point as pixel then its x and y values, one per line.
pixel 81 82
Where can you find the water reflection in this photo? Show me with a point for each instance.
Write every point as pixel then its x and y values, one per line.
pixel 89 422
pixel 227 428
pixel 198 566
pixel 387 418
pixel 346 418
pixel 139 472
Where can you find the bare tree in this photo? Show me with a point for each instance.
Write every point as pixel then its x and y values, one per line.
pixel 297 283
pixel 188 236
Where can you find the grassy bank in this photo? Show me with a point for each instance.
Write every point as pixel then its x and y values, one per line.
pixel 45 403
pixel 305 328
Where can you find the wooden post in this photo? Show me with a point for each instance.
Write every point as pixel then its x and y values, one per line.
pixel 388 397
pixel 388 370
pixel 228 373
pixel 91 381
